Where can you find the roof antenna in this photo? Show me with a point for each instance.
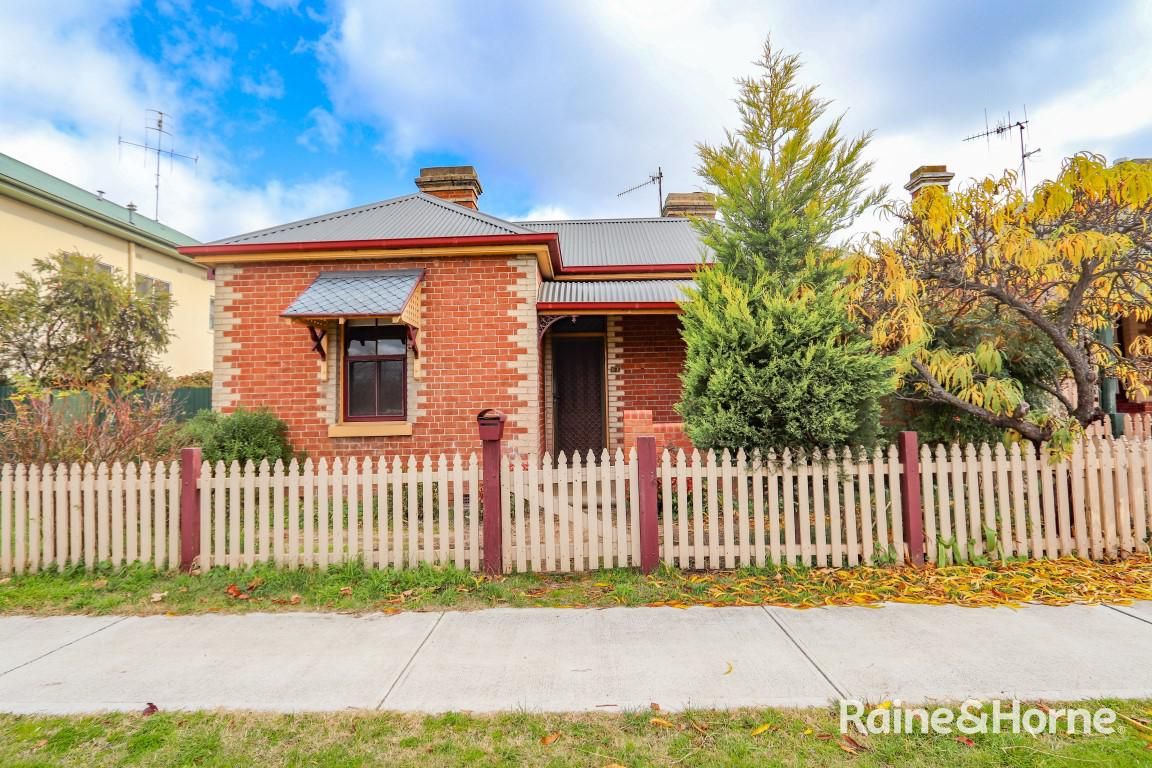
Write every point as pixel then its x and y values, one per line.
pixel 155 125
pixel 655 178
pixel 1003 128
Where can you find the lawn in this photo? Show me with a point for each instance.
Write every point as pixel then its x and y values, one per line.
pixel 703 738
pixel 353 588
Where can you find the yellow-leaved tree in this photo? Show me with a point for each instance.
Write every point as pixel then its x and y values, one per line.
pixel 1064 264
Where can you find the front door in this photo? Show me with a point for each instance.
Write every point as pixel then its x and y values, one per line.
pixel 578 393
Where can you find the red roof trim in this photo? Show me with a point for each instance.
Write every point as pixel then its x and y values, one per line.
pixel 629 269
pixel 562 306
pixel 534 238
pixel 549 239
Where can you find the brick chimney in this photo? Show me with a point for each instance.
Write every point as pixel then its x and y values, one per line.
pixel 455 183
pixel 928 176
pixel 683 205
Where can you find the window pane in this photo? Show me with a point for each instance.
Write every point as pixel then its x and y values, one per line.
pixel 391 388
pixel 390 346
pixel 362 389
pixel 361 347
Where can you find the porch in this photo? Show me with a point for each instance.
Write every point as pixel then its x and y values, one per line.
pixel 607 378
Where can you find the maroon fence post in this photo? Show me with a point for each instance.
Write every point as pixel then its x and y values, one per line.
pixel 189 507
pixel 491 425
pixel 646 492
pixel 913 510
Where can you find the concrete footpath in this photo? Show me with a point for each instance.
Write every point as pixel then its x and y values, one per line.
pixel 573 660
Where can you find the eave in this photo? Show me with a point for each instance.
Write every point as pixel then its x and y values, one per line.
pixel 544 246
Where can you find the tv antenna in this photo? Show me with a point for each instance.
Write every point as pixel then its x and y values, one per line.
pixel 1003 128
pixel 655 178
pixel 154 128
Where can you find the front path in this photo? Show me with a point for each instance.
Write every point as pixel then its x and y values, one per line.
pixel 574 659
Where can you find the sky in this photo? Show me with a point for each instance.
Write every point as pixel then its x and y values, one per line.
pixel 296 108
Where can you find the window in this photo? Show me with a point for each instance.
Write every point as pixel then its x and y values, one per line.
pixel 375 373
pixel 108 268
pixel 151 287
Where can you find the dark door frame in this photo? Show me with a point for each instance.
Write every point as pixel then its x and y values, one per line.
pixel 555 395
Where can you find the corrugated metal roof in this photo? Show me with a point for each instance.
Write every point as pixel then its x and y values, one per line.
pixel 411 216
pixel 49 186
pixel 625 242
pixel 612 291
pixel 351 294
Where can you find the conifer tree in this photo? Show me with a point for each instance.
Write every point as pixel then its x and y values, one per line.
pixel 774 358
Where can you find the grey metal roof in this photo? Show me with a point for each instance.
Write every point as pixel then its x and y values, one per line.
pixel 411 216
pixel 351 294
pixel 612 291
pixel 625 242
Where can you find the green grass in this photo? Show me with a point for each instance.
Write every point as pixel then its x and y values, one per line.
pixel 701 738
pixel 353 588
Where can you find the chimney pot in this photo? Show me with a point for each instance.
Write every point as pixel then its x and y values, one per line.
pixel 455 183
pixel 928 176
pixel 684 205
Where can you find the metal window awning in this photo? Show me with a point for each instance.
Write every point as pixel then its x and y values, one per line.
pixel 392 294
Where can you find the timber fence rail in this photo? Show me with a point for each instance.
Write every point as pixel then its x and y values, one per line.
pixel 893 505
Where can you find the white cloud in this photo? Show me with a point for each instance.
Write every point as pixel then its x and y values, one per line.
pixel 325 132
pixel 581 101
pixel 270 86
pixel 543 213
pixel 62 112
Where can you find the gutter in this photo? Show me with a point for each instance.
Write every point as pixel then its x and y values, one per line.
pixel 213 252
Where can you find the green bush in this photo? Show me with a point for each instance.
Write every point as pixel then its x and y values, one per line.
pixel 239 436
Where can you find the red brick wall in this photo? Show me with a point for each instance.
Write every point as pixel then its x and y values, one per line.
pixel 472 351
pixel 652 353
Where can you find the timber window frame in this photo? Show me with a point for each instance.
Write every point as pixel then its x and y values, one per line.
pixel 374 373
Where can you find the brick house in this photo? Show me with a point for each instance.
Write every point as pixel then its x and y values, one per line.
pixel 385 328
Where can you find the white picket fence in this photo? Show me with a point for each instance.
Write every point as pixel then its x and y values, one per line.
pixel 1137 426
pixel 67 515
pixel 715 510
pixel 990 502
pixel 563 517
pixel 383 512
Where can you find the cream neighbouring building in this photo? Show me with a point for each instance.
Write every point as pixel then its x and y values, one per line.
pixel 41 214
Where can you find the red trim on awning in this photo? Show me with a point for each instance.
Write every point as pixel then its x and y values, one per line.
pixel 560 307
pixel 626 269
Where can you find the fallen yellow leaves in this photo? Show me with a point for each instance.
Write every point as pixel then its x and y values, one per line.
pixel 1049 582
pixel 549 738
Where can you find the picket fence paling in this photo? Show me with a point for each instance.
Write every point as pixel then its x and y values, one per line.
pixel 838 508
pixel 382 512
pixel 989 503
pixel 66 515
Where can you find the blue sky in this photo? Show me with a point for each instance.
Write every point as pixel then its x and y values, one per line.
pixel 299 107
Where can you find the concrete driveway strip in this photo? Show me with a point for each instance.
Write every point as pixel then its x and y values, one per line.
pixel 25 638
pixel 919 653
pixel 285 662
pixel 607 660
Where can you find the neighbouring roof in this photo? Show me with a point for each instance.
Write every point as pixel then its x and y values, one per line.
pixel 51 188
pixel 357 294
pixel 625 242
pixel 418 215
pixel 613 291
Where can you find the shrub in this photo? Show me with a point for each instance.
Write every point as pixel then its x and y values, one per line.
pixel 90 423
pixel 197 379
pixel 239 436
